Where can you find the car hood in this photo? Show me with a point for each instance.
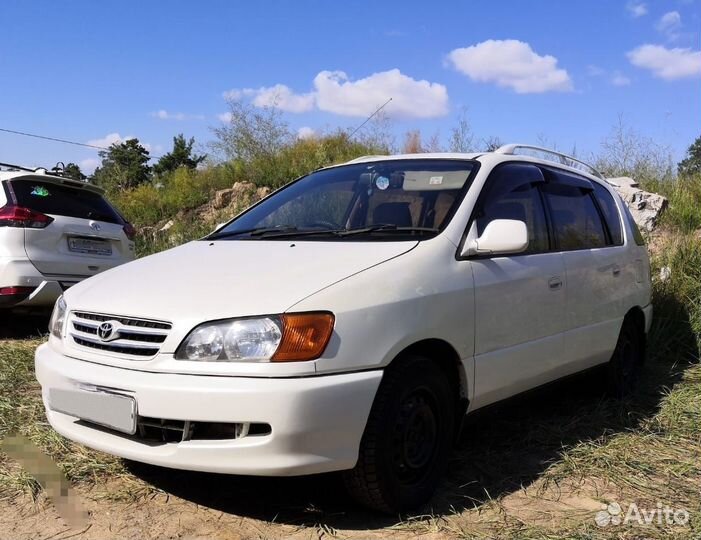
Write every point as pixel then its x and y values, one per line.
pixel 202 280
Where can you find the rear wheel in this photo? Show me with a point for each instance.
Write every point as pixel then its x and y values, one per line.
pixel 408 438
pixel 626 361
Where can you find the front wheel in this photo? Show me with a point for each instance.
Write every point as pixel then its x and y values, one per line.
pixel 408 437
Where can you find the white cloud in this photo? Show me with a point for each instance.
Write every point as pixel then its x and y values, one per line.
pixel 165 115
pixel 115 138
pixel 108 140
pixel 224 117
pixel 281 97
pixel 669 24
pixel 636 9
pixel 595 71
pixel 335 92
pixel 411 98
pixel 512 64
pixel 88 165
pixel 305 132
pixel 618 79
pixel 668 64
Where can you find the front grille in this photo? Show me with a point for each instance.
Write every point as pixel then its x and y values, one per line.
pixel 137 338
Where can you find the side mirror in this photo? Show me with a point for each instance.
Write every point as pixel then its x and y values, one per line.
pixel 501 236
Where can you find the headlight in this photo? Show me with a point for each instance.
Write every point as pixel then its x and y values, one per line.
pixel 279 338
pixel 58 317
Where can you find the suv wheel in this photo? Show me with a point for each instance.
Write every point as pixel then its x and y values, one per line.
pixel 408 437
pixel 624 366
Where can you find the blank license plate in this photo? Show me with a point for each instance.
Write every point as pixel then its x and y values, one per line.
pixel 88 245
pixel 114 411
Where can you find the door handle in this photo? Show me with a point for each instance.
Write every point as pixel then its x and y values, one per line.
pixel 616 270
pixel 555 283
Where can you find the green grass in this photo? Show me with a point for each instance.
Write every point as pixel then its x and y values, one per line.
pixel 22 412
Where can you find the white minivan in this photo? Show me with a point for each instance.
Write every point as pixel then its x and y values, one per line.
pixel 350 320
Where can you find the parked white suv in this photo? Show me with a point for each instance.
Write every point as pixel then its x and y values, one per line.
pixel 54 232
pixel 351 319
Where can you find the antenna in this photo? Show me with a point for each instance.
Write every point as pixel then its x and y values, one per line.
pixel 370 117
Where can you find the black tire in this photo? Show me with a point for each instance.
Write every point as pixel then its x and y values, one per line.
pixel 626 361
pixel 408 438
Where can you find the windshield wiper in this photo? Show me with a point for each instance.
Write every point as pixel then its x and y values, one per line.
pixel 342 233
pixel 256 231
pixel 388 227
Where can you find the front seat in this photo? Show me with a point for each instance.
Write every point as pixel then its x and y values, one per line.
pixel 395 213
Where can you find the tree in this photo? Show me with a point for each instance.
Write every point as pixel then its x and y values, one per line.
pixel 72 170
pixel 180 156
pixel 124 166
pixel 625 152
pixel 691 164
pixel 462 139
pixel 249 133
pixel 491 143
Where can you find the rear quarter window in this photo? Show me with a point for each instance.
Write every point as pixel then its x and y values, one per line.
pixel 610 213
pixel 62 200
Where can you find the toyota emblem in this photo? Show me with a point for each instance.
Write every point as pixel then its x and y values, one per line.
pixel 105 331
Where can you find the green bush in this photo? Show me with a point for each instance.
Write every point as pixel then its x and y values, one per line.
pixel 684 194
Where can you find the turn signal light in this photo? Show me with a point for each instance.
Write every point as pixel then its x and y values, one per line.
pixel 304 336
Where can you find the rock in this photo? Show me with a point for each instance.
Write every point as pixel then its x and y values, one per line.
pixel 167 226
pixel 223 198
pixel 665 273
pixel 644 206
pixel 262 192
pixel 240 192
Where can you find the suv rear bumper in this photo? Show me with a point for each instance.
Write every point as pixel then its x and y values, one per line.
pixel 20 272
pixel 316 422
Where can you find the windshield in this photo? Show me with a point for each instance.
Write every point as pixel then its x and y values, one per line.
pixel 383 199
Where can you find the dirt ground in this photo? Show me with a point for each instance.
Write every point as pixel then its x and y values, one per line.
pixel 195 506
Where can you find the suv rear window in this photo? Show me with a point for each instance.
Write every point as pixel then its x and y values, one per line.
pixel 62 200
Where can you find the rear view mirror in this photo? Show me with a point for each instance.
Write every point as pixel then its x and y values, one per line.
pixel 501 236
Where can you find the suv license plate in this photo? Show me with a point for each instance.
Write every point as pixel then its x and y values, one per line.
pixel 115 411
pixel 90 246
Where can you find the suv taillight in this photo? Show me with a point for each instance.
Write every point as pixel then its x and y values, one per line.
pixel 18 216
pixel 130 231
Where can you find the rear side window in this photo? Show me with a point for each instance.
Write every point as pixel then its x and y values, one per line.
pixel 610 213
pixel 512 193
pixel 575 218
pixel 60 200
pixel 637 236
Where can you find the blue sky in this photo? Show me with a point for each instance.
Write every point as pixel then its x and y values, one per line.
pixel 560 70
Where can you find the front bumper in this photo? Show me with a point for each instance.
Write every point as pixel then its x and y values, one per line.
pixel 316 422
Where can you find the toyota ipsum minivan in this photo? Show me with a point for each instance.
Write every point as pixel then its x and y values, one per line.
pixel 350 320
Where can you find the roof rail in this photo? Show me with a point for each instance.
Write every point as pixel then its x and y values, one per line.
pixel 12 166
pixel 564 159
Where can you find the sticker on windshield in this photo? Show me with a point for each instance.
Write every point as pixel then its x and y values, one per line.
pixel 435 180
pixel 40 191
pixel 382 182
